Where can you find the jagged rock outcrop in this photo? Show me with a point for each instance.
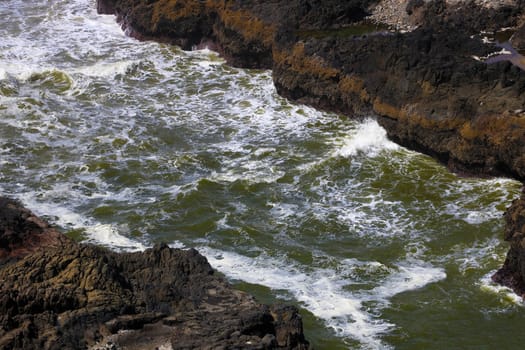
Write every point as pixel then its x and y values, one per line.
pixel 242 31
pixel 512 274
pixel 58 294
pixel 430 88
pixel 22 232
pixel 426 88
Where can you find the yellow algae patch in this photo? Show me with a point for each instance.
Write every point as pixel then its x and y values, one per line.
pixel 413 114
pixel 427 89
pixel 385 109
pixel 468 132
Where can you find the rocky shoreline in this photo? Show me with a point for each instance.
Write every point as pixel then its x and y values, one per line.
pixel 58 294
pixel 425 85
pixel 417 65
pixel 424 78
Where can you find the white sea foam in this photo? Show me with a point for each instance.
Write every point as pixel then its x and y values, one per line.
pixel 369 137
pixel 177 245
pixel 106 69
pixel 410 275
pixel 3 74
pixel 108 235
pixel 104 234
pixel 250 171
pixel 322 291
pixel 476 255
pixel 505 295
pixel 464 195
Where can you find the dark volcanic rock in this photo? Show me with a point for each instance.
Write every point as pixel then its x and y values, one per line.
pixel 512 274
pixel 22 233
pixel 518 39
pixel 242 31
pixel 74 296
pixel 426 87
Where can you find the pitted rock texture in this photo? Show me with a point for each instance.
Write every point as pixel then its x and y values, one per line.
pixel 67 295
pixel 22 232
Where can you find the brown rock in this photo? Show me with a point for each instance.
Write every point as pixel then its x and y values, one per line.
pixel 74 296
pixel 22 232
pixel 512 274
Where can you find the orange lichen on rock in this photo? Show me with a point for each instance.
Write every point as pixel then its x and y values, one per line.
pixel 301 63
pixel 413 115
pixel 173 10
pixel 496 129
pixel 243 22
pixel 427 89
pixel 354 85
pixel 385 109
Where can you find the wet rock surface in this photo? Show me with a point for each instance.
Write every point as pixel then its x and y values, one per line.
pixel 512 274
pixel 63 295
pixel 22 232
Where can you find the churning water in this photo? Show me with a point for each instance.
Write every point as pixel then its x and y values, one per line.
pixel 125 143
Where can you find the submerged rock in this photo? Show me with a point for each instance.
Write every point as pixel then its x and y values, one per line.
pixel 59 294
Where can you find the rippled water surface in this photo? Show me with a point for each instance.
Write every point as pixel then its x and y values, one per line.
pixel 125 143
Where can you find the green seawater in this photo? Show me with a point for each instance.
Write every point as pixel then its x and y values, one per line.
pixel 125 144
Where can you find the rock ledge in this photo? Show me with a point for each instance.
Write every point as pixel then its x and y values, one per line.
pixel 58 294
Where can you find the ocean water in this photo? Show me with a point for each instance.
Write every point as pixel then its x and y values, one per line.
pixel 124 144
